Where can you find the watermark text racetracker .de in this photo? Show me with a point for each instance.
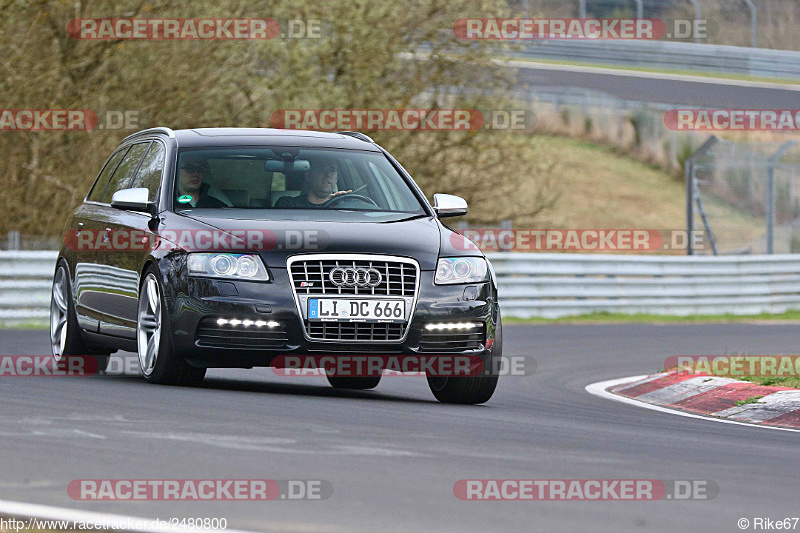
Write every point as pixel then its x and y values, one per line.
pixel 576 240
pixel 45 365
pixel 122 240
pixel 584 489
pixel 522 29
pixel 68 120
pixel 404 119
pixel 733 366
pixel 199 489
pixel 389 365
pixel 194 29
pixel 733 119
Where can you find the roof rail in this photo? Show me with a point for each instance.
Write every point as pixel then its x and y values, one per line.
pixel 357 135
pixel 167 131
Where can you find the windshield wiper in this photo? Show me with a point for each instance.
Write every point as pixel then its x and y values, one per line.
pixel 412 217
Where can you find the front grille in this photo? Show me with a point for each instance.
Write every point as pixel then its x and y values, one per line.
pixel 355 331
pixel 452 341
pixel 312 277
pixel 212 335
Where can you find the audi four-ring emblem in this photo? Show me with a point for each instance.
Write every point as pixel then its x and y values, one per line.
pixel 355 277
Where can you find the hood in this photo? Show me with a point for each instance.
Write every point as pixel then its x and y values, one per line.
pixel 280 239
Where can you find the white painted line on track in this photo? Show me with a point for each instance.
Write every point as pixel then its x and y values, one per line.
pixel 600 389
pixel 125 523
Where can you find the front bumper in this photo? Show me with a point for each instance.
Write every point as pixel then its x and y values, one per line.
pixel 208 300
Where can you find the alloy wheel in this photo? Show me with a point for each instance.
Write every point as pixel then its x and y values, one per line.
pixel 148 330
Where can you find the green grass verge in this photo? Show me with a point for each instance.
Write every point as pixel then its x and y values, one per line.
pixel 788 381
pixel 751 399
pixel 25 325
pixel 604 318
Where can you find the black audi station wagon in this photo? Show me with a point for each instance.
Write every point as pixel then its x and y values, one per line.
pixel 236 247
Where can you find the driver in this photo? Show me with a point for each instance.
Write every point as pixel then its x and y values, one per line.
pixel 191 189
pixel 320 183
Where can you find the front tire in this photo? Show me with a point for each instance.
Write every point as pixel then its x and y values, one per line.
pixel 471 390
pixel 157 359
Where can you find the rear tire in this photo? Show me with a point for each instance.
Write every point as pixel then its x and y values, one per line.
pixel 359 383
pixel 65 332
pixel 157 359
pixel 471 390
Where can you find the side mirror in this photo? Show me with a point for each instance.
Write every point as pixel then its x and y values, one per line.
pixel 133 200
pixel 447 205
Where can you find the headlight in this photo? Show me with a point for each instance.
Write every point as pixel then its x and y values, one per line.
pixel 228 266
pixel 461 270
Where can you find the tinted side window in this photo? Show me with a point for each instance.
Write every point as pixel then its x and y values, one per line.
pixel 149 175
pixel 125 171
pixel 105 174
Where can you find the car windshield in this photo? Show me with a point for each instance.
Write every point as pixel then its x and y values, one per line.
pixel 291 178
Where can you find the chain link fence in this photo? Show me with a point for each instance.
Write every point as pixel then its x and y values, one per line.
pixel 747 195
pixel 744 194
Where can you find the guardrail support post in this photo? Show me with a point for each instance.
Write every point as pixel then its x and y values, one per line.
pixel 639 9
pixel 698 13
pixel 773 160
pixel 691 190
pixel 582 9
pixel 13 240
pixel 753 23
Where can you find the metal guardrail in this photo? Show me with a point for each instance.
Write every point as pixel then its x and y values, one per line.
pixel 25 282
pixel 761 62
pixel 540 285
pixel 555 285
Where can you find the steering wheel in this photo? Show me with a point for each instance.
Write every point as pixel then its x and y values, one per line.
pixel 351 196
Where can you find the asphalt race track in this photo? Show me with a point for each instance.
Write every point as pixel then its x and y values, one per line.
pixel 693 91
pixel 393 455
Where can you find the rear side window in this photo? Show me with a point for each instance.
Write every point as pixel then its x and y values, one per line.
pixel 149 175
pixel 124 171
pixel 105 174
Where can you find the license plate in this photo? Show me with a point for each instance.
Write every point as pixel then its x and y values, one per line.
pixel 352 310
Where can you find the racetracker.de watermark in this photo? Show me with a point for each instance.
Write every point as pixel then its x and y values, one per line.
pixel 68 120
pixel 122 240
pixel 733 366
pixel 584 489
pixel 732 119
pixel 505 29
pixel 193 29
pixel 199 489
pixel 575 240
pixel 370 365
pixel 46 365
pixel 404 119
